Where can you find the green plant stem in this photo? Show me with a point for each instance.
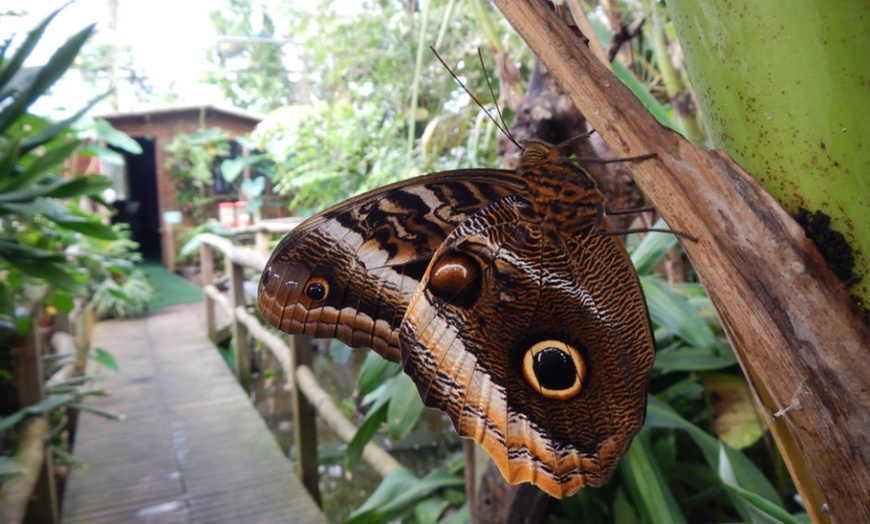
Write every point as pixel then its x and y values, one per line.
pixel 415 85
pixel 655 32
pixel 784 87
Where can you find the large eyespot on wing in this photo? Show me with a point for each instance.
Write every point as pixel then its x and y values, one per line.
pixel 548 364
pixel 349 272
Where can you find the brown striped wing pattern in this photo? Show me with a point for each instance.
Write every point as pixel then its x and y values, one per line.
pixel 350 271
pixel 506 305
pixel 545 282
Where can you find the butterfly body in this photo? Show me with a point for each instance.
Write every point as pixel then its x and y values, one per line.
pixel 504 302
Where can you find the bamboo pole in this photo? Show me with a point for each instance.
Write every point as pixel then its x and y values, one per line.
pixel 15 492
pixel 790 321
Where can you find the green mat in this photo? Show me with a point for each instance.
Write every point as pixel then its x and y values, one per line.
pixel 170 288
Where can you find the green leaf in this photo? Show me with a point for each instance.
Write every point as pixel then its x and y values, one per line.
pixel 58 188
pixel 41 167
pixel 430 510
pixel 375 416
pixel 60 300
pixel 90 228
pixel 399 492
pixel 11 66
pixel 83 185
pixel 40 408
pixel 45 77
pixel 254 188
pixel 104 358
pixel 106 155
pixel 652 249
pixel 105 413
pixel 54 130
pixel 67 458
pixel 231 168
pixel 738 421
pixel 672 311
pixel 647 484
pixel 661 415
pixel 57 274
pixel 405 407
pixel 694 359
pixel 623 511
pixel 761 510
pixel 375 371
pixel 117 139
pixel 13 249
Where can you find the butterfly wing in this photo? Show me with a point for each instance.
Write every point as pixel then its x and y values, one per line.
pixel 509 320
pixel 350 271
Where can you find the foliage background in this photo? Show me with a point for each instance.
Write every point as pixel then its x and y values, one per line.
pixel 353 99
pixel 367 110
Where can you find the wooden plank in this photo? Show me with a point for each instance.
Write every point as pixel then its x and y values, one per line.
pixel 192 448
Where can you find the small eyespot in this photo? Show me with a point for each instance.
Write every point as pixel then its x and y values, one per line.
pixel 455 278
pixel 554 369
pixel 317 289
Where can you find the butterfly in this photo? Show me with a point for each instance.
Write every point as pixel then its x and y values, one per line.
pixel 505 296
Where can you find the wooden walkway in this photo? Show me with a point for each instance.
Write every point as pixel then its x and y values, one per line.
pixel 192 448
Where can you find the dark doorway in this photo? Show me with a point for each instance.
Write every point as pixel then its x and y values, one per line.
pixel 140 209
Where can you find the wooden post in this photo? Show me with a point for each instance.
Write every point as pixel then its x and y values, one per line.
pixel 304 421
pixel 261 241
pixel 30 378
pixel 206 266
pixel 240 331
pixel 169 245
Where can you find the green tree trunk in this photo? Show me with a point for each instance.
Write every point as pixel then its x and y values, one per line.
pixel 784 87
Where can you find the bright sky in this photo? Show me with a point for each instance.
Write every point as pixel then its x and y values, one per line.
pixel 168 38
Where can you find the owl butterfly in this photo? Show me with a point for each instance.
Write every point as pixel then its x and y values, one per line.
pixel 503 297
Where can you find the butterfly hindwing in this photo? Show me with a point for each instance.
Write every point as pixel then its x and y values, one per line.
pixel 503 287
pixel 349 272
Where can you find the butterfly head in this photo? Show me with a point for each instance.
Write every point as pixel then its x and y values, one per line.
pixel 537 152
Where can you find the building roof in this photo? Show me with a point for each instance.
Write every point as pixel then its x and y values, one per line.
pixel 168 113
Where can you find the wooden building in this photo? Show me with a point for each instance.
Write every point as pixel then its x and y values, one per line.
pixel 151 196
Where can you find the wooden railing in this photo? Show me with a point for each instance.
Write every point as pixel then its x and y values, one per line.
pixel 33 492
pixel 293 353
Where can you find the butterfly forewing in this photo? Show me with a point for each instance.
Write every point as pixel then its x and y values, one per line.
pixel 349 272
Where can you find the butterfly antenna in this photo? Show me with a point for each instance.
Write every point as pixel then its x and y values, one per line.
pixel 499 124
pixel 503 126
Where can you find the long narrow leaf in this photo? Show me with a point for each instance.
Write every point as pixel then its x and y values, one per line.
pixel 40 408
pixel 673 311
pixel 652 249
pixel 374 372
pixel 405 407
pixel 14 63
pixel 398 493
pixel 46 77
pixel 661 415
pixel 54 130
pixel 41 166
pixel 81 186
pixel 372 421
pixel 117 139
pixel 647 483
